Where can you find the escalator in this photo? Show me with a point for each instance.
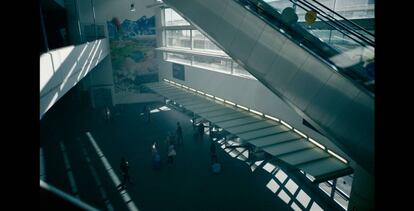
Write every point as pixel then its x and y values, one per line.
pixel 327 82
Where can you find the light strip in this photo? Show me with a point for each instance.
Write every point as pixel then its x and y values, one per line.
pixel 124 194
pixel 316 143
pixel 272 118
pixel 166 80
pixel 242 107
pixel 200 92
pixel 66 196
pixel 300 133
pixel 286 124
pixel 186 87
pixel 172 82
pixel 229 102
pixel 192 89
pixel 217 98
pixel 337 156
pixel 256 112
pixel 208 95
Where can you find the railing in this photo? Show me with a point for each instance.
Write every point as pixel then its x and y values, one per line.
pixel 352 56
pixel 61 199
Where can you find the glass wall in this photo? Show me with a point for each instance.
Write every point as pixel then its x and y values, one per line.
pixel 350 9
pixel 198 50
pixel 179 58
pixel 212 63
pixel 178 38
pixel 202 42
pixel 171 18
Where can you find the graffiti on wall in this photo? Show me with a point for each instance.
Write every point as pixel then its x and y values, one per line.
pixel 133 54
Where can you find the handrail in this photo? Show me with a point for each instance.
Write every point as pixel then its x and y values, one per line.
pixel 341 27
pixel 311 43
pixel 337 22
pixel 66 196
pixel 345 19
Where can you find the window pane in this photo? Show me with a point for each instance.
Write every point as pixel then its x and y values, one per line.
pixel 179 58
pixel 202 42
pixel 178 38
pixel 355 9
pixel 212 63
pixel 173 19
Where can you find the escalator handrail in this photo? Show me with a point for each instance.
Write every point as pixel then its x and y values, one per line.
pixel 273 13
pixel 337 22
pixel 341 27
pixel 345 19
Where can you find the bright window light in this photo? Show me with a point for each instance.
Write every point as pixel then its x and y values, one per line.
pixel 186 87
pixel 172 82
pixel 253 167
pixel 219 99
pixel 154 111
pixel 200 92
pixel 258 162
pixel 242 107
pixel 208 95
pixel 234 153
pixel 229 102
pixel 166 80
pixel 284 196
pixel 272 118
pixel 269 167
pixel 300 133
pixel 310 177
pixel 273 186
pixel 315 207
pixel 337 156
pixel 316 143
pixel 291 186
pixel 256 112
pixel 286 124
pixel 192 89
pixel 303 198
pixel 295 207
pixel 164 108
pixel 281 176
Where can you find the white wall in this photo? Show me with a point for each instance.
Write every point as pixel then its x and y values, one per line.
pixel 246 92
pixel 63 68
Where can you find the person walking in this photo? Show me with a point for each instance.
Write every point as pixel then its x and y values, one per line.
pixel 147 113
pixel 171 153
pixel 124 166
pixel 179 134
pixel 201 131
pixel 156 158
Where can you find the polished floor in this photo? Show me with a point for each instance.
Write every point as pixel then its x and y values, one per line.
pixel 74 164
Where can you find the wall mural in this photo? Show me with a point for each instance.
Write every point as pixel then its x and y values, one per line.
pixel 133 54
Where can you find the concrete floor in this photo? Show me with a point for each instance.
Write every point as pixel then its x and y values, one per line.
pixel 188 184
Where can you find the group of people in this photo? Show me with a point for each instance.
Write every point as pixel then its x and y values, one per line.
pixel 172 140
